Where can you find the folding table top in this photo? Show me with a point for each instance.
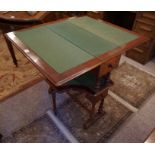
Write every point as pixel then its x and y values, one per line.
pixel 67 44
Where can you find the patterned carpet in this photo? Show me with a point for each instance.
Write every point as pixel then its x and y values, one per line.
pixel 73 116
pixel 132 84
pixel 13 79
pixel 40 131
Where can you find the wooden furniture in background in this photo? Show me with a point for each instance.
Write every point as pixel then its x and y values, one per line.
pixel 14 20
pixel 144 24
pixel 96 14
pixel 67 14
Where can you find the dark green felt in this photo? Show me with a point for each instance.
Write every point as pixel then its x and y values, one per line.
pixel 104 30
pixel 55 50
pixel 87 41
pixel 88 80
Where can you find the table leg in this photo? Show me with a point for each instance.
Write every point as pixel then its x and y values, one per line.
pixel 1 136
pixel 53 93
pixel 91 120
pixel 94 116
pixel 11 50
pixel 100 109
pixel 54 102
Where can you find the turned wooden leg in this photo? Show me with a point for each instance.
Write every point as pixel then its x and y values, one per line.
pixel 90 120
pixel 92 113
pixel 54 102
pixel 100 109
pixel 95 115
pixel 11 50
pixel 50 90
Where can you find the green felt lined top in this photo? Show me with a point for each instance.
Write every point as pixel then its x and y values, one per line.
pixel 56 51
pixel 87 41
pixel 104 30
pixel 70 43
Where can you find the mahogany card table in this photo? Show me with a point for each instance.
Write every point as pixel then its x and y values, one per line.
pixel 77 51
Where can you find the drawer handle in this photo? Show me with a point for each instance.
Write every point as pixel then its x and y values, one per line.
pixel 145 28
pixel 139 50
pixel 110 66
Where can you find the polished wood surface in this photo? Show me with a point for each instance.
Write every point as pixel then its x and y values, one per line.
pixel 59 79
pixel 22 16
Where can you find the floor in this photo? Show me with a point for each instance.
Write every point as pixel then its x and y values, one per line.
pixel 142 121
pixel 135 129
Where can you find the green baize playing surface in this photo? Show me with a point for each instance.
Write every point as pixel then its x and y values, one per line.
pixel 68 44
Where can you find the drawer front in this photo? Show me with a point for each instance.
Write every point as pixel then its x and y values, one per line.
pixel 144 29
pixel 109 66
pixel 145 46
pixel 146 21
pixel 150 15
pixel 138 54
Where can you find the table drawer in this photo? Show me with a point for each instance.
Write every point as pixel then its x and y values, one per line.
pixel 145 46
pixel 144 29
pixel 146 21
pixel 109 65
pixel 138 54
pixel 150 15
